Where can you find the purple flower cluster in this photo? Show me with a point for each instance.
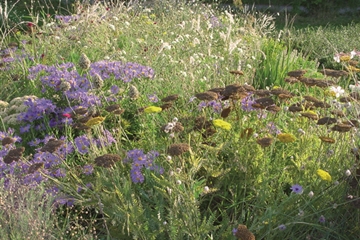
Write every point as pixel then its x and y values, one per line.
pixel 139 161
pixel 215 105
pixel 119 70
pixel 247 102
pixel 83 142
pixel 215 22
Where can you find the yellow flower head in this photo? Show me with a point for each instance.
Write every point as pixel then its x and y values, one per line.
pixel 345 58
pixel 222 124
pixel 286 137
pixel 324 175
pixel 94 121
pixel 152 109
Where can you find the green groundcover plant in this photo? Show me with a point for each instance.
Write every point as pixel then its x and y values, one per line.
pixel 178 121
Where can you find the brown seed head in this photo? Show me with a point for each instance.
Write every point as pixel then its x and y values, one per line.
pixel 170 98
pixel 264 142
pixel 327 139
pixel 166 106
pixel 273 108
pixel 107 160
pixel 112 107
pixel 311 99
pixel 243 233
pixel 236 72
pixel 178 127
pixel 81 111
pixel 52 145
pixel 33 168
pixel 326 120
pixel 207 96
pixel 13 155
pixel 310 115
pixel 296 73
pixel 262 93
pixel 177 149
pixel 338 113
pixel 341 127
pixel 291 80
pixel 7 141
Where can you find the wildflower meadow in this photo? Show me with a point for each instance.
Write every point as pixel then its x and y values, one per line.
pixel 173 121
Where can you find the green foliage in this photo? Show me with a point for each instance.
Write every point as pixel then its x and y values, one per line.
pixel 276 60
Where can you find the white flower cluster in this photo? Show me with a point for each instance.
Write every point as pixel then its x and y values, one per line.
pixel 10 111
pixel 169 127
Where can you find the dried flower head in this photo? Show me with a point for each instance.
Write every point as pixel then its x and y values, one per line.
pixel 263 102
pixel 207 96
pixel 133 93
pixel 84 62
pixel 52 145
pixel 225 112
pixel 341 127
pixel 234 91
pixel 264 142
pixel 178 127
pixel 112 107
pixel 13 155
pixel 273 108
pixel 107 160
pixel 327 139
pixel 166 106
pixel 65 86
pixel 296 73
pixel 81 111
pixel 310 115
pixel 326 120
pixel 34 167
pixel 262 93
pixel 170 98
pixel 243 233
pixel 7 141
pixel 98 82
pixel 334 73
pixel 177 149
pixel 291 80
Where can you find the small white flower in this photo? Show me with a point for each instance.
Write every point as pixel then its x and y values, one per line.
pixel 206 189
pixel 175 119
pixel 178 170
pixel 112 27
pixel 301 131
pixel 255 135
pixel 337 90
pixel 168 158
pixel 178 182
pixel 165 223
pixel 311 194
pixel 347 173
pixel 171 173
pixel 301 213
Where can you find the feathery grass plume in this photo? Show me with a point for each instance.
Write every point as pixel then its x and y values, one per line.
pixel 326 120
pixel 107 160
pixel 243 233
pixel 177 149
pixel 327 139
pixel 98 82
pixel 324 175
pixel 341 127
pixel 286 137
pixel 52 145
pixel 34 167
pixel 170 98
pixel 84 62
pixel 152 109
pixel 133 93
pixel 222 124
pixel 264 142
pixel 94 121
pixel 112 108
pixel 7 141
pixel 207 96
pixel 13 155
pixel 310 114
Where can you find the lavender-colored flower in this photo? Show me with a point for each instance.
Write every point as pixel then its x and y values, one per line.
pixel 25 129
pixel 82 144
pixel 234 231
pixel 35 142
pixel 297 189
pixel 273 129
pixel 215 105
pixel 202 105
pixel 322 219
pixel 136 175
pixel 153 98
pixel 247 102
pixel 88 169
pixel 282 227
pixel 60 173
pixel 114 89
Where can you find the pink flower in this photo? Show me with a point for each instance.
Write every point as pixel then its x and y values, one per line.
pixel 67 115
